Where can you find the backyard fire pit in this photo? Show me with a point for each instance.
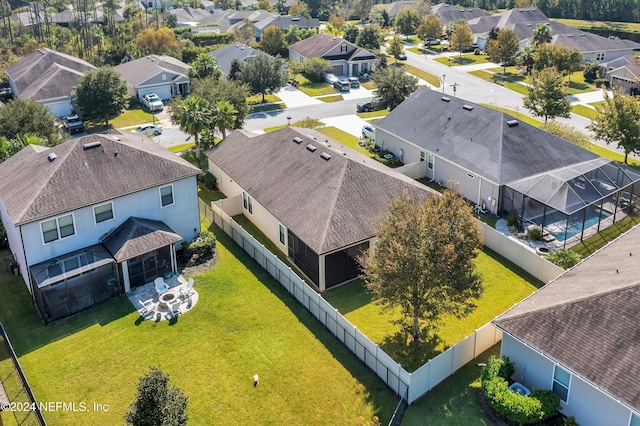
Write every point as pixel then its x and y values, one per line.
pixel 167 298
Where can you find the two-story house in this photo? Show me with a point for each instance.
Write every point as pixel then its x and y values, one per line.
pixel 95 217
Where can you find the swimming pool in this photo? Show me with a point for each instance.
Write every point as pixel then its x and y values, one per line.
pixel 556 223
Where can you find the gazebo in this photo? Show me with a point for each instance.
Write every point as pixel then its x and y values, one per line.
pixel 568 201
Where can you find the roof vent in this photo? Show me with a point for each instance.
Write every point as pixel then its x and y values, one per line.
pixel 91 145
pixel 325 156
pixel 445 98
pixel 512 123
pixel 467 107
pixel 297 140
pixel 52 156
pixel 311 148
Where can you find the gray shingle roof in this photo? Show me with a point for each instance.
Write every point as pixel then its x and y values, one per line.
pixel 588 42
pixel 34 188
pixel 587 320
pixel 225 55
pixel 479 140
pixel 320 44
pixel 142 69
pixel 395 7
pixel 328 204
pixel 47 74
pixel 448 13
pixel 137 236
pixel 283 22
pixel 188 14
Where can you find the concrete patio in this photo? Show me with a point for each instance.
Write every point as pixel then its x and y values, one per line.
pixel 160 311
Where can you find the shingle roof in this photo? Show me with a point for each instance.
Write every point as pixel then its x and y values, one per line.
pixel 283 22
pixel 395 7
pixel 137 236
pixel 142 69
pixel 479 140
pixel 188 14
pixel 33 188
pixel 587 320
pixel 328 204
pixel 47 74
pixel 320 44
pixel 448 13
pixel 588 42
pixel 225 55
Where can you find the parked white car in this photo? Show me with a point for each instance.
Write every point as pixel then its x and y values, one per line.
pixel 368 132
pixel 152 102
pixel 149 129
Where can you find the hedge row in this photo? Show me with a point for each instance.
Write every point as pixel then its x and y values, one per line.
pixel 538 406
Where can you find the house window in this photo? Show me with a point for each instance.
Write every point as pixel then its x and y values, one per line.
pixel 166 195
pixel 103 212
pixel 600 56
pixel 423 155
pixel 343 48
pixel 282 233
pixel 58 228
pixel 247 202
pixel 635 420
pixel 561 381
pixel 430 163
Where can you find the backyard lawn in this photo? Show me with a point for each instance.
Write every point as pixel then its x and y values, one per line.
pixel 244 323
pixel 505 285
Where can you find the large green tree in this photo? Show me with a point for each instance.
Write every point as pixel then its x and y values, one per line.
pixel 407 21
pixel 395 48
pixel 263 74
pixel 234 92
pixel 101 94
pixel 224 116
pixel 618 120
pixel 423 261
pixel 27 117
pixel 157 403
pixel 547 97
pixel 193 115
pixel 461 37
pixel 393 86
pixel 272 40
pixel 542 34
pixel 316 68
pixel 369 37
pixel 430 28
pixel 204 66
pixel 351 33
pixel 504 49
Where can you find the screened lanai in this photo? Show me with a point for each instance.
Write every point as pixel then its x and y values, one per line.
pixel 569 201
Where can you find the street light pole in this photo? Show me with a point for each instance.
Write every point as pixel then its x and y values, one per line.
pixel 443 79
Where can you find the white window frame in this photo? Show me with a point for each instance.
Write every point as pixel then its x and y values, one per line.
pixel 600 56
pixel 247 202
pixel 431 159
pixel 56 219
pixel 173 195
pixel 95 218
pixel 282 234
pixel 633 417
pixel 423 156
pixel 554 381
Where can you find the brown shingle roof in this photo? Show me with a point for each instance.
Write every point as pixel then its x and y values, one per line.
pixel 328 204
pixel 318 45
pixel 587 320
pixel 142 69
pixel 34 188
pixel 137 236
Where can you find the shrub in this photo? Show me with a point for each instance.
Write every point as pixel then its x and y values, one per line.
pixel 538 406
pixel 564 258
pixel 601 82
pixel 204 244
pixel 513 221
pixel 591 72
pixel 535 233
pixel 208 179
pixel 4 242
pixel 476 51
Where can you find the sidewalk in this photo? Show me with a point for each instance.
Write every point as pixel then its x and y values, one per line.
pixel 351 124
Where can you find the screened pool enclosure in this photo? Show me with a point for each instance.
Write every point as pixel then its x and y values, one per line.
pixel 576 201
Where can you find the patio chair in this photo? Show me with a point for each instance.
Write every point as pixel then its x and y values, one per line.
pixel 175 309
pixel 161 286
pixel 188 289
pixel 148 307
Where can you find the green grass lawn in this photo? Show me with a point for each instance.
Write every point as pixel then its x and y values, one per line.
pixel 512 85
pixel 373 114
pixel 243 323
pixel 467 59
pixel 429 78
pixel 584 111
pixel 505 285
pixel 595 242
pixel 268 107
pixel 257 99
pixel 615 26
pixel 344 138
pixel 131 117
pixel 273 128
pixel 369 85
pixel 181 148
pixel 208 196
pixel 333 98
pixel 314 89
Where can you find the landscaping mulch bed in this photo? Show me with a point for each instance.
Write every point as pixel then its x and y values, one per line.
pixel 197 264
pixel 499 420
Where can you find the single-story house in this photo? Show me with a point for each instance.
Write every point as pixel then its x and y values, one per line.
pixel 318 201
pixel 224 56
pixel 284 22
pixel 448 13
pixel 622 72
pixel 163 75
pixel 510 167
pixel 188 16
pixel 47 76
pixel 580 336
pixel 132 202
pixel 346 58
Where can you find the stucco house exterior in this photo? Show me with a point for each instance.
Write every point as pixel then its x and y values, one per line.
pixel 622 72
pixel 345 57
pixel 48 77
pixel 580 336
pixel 318 201
pixel 95 217
pixel 163 75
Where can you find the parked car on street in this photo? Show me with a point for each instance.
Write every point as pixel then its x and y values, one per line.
pixel 73 124
pixel 152 102
pixel 149 129
pixel 368 132
pixel 354 82
pixel 342 86
pixel 367 106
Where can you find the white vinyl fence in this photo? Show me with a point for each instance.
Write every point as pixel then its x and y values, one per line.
pixel 397 378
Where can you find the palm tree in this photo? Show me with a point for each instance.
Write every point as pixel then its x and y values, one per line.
pixel 192 115
pixel 224 116
pixel 292 34
pixel 542 34
pixel 204 66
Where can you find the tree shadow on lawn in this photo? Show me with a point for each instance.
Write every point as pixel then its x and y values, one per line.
pixel 512 267
pixel 378 394
pixel 575 85
pixel 349 297
pixel 412 355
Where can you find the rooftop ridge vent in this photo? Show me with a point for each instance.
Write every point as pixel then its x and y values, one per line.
pixel 467 107
pixel 297 140
pixel 445 98
pixel 311 148
pixel 325 156
pixel 512 123
pixel 52 156
pixel 91 145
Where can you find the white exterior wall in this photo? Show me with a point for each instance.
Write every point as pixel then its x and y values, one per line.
pixel 162 90
pixel 609 55
pixel 60 106
pixel 295 57
pixel 15 241
pixel 587 404
pixel 182 216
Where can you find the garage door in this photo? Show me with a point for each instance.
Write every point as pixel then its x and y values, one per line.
pixel 337 70
pixel 60 108
pixel 163 92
